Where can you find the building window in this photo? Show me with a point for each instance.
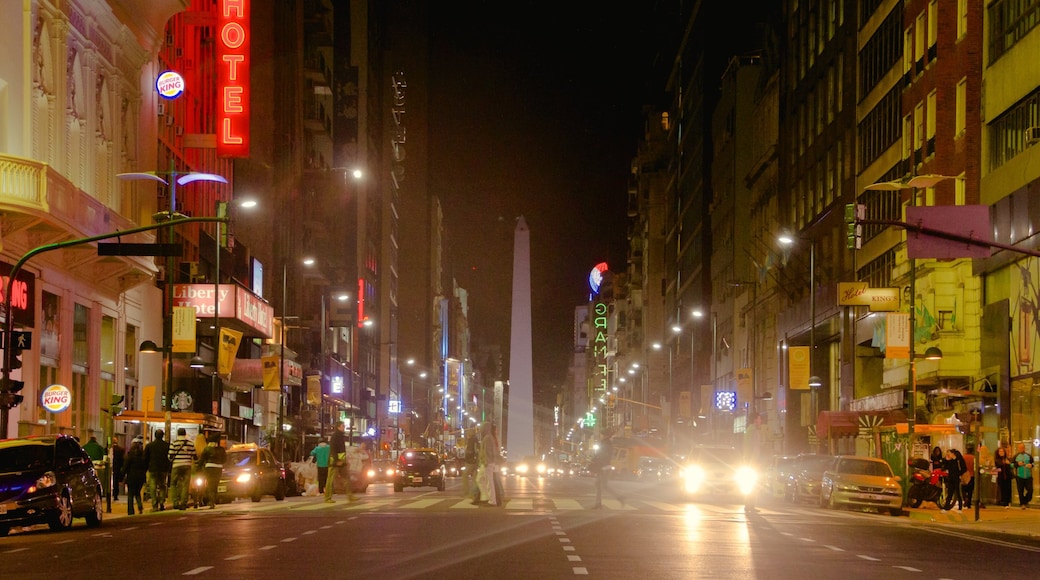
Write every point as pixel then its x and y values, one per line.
pixel 962 18
pixel 1008 132
pixel 930 122
pixel 961 114
pixel 1009 22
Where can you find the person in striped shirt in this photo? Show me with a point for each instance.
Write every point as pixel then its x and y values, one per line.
pixel 182 456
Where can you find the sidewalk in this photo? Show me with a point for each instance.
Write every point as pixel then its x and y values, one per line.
pixel 992 518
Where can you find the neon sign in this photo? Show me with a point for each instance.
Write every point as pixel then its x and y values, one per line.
pixel 233 79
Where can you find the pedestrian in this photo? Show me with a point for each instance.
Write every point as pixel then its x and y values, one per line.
pixel 212 462
pixel 321 459
pixel 182 458
pixel 337 460
pixel 94 449
pixel 118 458
pixel 1024 475
pixel 488 464
pixel 601 467
pixel 471 462
pixel 135 470
pixel 356 456
pixel 157 454
pixel 496 473
pixel 954 465
pixel 938 459
pixel 1005 475
pixel 968 477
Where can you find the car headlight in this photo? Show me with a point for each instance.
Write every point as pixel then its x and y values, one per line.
pixel 692 478
pixel 845 486
pixel 504 470
pixel 540 468
pixel 437 471
pixel 746 479
pixel 390 472
pixel 522 468
pixel 199 481
pixel 244 477
pixel 371 473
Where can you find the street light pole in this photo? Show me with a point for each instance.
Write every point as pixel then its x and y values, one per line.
pixel 176 178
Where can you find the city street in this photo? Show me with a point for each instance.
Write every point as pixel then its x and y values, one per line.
pixel 546 530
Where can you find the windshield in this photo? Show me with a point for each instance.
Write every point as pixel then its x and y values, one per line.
pixel 419 458
pixel 862 467
pixel 240 459
pixel 715 455
pixel 26 457
pixel 815 463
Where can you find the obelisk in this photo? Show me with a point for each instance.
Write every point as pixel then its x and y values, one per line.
pixel 519 436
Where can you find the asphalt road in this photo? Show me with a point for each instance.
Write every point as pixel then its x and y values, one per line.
pixel 546 530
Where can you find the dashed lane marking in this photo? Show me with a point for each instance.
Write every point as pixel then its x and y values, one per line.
pixel 198 570
pixel 567 504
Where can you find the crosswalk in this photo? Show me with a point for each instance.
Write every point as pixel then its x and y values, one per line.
pixel 513 505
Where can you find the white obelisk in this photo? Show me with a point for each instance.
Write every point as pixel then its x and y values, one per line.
pixel 519 437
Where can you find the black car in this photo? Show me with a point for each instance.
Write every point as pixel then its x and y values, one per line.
pixel 253 472
pixel 47 479
pixel 419 468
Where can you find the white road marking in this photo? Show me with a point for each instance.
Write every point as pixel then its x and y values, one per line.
pixel 520 504
pixel 309 532
pixel 267 547
pixel 569 548
pixel 574 558
pixel 663 506
pixel 581 572
pixel 561 533
pixel 198 570
pixel 867 558
pixel 567 504
pixel 807 540
pixel 287 540
pixel 465 504
pixel 16 550
pixel 235 557
pixel 835 548
pixel 907 568
pixel 64 542
pixel 564 540
pixel 420 504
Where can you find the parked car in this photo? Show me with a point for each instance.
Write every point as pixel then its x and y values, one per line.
pixel 776 475
pixel 47 479
pixel 253 472
pixel 419 468
pixel 806 477
pixel 861 482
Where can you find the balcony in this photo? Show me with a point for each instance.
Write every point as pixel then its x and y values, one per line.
pixel 40 207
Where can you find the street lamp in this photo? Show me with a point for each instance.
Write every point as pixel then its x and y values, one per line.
pixel 175 178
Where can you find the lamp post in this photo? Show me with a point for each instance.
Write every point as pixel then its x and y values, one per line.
pixel 175 178
pixel 914 183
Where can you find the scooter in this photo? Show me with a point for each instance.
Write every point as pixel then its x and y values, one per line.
pixel 926 485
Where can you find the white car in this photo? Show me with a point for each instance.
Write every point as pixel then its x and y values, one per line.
pixel 718 472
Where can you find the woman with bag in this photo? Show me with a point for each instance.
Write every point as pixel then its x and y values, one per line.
pixel 1005 475
pixel 955 467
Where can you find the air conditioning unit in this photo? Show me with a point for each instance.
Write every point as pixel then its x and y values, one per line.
pixel 162 108
pixel 179 130
pixel 1032 135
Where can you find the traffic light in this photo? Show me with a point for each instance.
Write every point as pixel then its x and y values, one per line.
pixel 854 212
pixel 9 396
pixel 16 357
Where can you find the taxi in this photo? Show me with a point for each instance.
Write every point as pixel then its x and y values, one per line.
pixel 251 471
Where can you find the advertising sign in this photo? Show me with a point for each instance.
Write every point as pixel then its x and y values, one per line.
pixel 233 35
pixel 56 398
pixel 169 85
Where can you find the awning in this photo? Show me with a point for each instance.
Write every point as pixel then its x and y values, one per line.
pixel 832 424
pixel 182 417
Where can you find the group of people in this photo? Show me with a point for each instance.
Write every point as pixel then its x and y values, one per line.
pixel 335 459
pixel 166 469
pixel 960 478
pixel 483 480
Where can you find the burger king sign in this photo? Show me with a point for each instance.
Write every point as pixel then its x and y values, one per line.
pixel 56 398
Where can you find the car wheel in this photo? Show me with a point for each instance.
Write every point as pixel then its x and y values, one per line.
pixel 440 485
pixel 4 530
pixel 256 497
pixel 279 492
pixel 61 518
pixel 896 511
pixel 398 488
pixel 94 517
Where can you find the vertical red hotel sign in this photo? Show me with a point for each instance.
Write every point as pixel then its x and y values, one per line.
pixel 233 78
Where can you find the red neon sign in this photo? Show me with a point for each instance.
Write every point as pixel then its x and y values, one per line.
pixel 233 79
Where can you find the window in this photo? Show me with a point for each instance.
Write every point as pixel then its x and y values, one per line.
pixel 962 18
pixel 1009 22
pixel 933 26
pixel 930 122
pixel 919 40
pixel 962 104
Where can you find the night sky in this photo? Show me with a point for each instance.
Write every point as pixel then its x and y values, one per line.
pixel 536 110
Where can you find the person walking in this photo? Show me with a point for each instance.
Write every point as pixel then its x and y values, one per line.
pixel 212 462
pixel 118 458
pixel 1005 474
pixel 1023 463
pixel 337 460
pixel 488 465
pixel 954 465
pixel 601 467
pixel 157 454
pixel 182 457
pixel 471 461
pixel 135 470
pixel 321 459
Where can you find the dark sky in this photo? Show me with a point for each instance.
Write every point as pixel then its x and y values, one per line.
pixel 536 110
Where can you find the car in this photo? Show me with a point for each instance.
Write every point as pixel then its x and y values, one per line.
pixel 805 477
pixel 530 466
pixel 717 473
pixel 383 471
pixel 653 469
pixel 453 468
pixel 251 471
pixel 776 475
pixel 863 482
pixel 47 479
pixel 419 468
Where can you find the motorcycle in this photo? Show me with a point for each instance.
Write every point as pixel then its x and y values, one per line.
pixel 926 484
